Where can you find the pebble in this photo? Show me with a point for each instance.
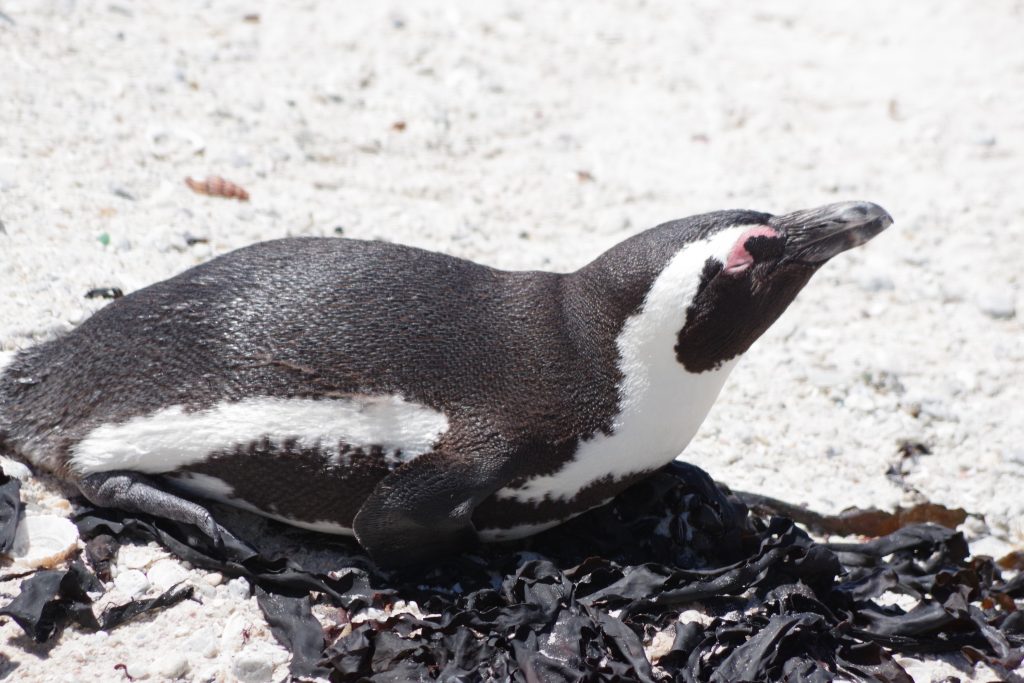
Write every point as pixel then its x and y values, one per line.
pixel 204 642
pixel 171 666
pixel 166 573
pixel 253 666
pixel 661 645
pixel 998 304
pixel 139 556
pixel 876 282
pixel 137 669
pixel 231 638
pixel 938 410
pixel 975 528
pixel 859 401
pixel 689 615
pixel 991 546
pixel 205 589
pixel 1014 455
pixel 132 583
pixel 214 578
pixel 825 379
pixel 13 468
pixel 238 588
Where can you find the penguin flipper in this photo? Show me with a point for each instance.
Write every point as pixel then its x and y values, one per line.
pixel 134 492
pixel 423 511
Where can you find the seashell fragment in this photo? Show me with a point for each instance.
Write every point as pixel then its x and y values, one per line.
pixel 43 542
pixel 215 186
pixel 177 143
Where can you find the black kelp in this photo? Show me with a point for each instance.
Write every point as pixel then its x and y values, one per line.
pixel 578 603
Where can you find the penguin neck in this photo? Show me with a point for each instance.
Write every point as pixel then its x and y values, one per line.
pixel 625 313
pixel 644 286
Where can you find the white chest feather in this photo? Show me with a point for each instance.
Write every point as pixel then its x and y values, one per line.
pixel 661 404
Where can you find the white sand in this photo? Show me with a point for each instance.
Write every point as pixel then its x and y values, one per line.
pixel 671 108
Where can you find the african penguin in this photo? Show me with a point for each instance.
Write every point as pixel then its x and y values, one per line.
pixel 415 400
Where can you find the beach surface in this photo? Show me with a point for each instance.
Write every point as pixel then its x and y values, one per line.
pixel 534 136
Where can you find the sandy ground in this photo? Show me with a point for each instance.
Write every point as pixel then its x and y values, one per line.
pixel 529 135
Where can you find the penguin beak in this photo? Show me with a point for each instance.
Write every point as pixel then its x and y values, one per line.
pixel 813 236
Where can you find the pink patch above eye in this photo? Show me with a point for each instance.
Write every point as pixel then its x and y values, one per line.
pixel 739 258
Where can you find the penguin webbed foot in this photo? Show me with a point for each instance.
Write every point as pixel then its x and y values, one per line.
pixel 134 492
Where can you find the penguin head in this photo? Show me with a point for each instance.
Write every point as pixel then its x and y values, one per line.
pixel 757 265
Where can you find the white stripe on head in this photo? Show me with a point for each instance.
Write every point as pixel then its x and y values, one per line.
pixel 661 404
pixel 172 438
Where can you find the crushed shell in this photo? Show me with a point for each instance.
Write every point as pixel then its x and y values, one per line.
pixel 43 542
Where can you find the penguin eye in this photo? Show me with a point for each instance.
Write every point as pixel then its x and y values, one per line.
pixel 764 248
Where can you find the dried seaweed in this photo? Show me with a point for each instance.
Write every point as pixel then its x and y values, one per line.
pixel 580 601
pixel 10 510
pixel 857 521
pixel 50 598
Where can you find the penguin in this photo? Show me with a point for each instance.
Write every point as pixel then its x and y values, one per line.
pixel 416 401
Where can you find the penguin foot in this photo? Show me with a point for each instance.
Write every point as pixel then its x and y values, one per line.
pixel 133 492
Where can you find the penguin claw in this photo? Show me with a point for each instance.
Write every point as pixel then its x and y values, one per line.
pixel 133 492
pixel 212 531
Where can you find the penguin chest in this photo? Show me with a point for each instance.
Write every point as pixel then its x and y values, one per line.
pixel 661 405
pixel 659 414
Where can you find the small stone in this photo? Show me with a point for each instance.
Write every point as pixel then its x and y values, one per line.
pixel 660 645
pixel 688 615
pixel 974 527
pixel 859 401
pixel 204 642
pixel 214 578
pixel 937 409
pixel 205 589
pixel 132 583
pixel 998 304
pixel 171 666
pixel 825 379
pixel 232 638
pixel 137 669
pixel 877 282
pixel 253 666
pixel 13 468
pixel 1014 455
pixel 166 573
pixel 991 546
pixel 951 294
pixel 139 556
pixel 238 588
